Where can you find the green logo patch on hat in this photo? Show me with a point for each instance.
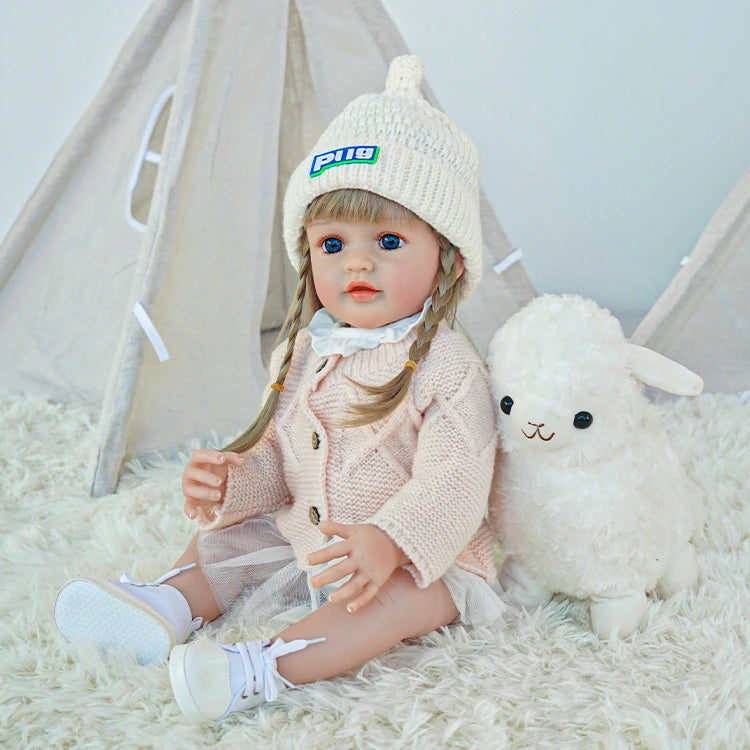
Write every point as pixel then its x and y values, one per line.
pixel 345 155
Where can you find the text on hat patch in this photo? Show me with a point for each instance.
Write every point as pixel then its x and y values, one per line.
pixel 345 155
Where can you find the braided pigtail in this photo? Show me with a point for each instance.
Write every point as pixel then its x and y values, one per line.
pixel 386 398
pixel 289 330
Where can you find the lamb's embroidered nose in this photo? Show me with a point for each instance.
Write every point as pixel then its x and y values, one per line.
pixel 537 431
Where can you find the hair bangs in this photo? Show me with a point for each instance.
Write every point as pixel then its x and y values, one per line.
pixel 351 204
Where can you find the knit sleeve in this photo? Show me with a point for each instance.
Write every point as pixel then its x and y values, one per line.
pixel 437 512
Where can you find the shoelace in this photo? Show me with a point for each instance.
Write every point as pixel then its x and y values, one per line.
pixel 259 660
pixel 126 578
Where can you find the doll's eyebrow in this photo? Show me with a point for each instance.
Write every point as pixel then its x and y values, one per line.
pixel 320 222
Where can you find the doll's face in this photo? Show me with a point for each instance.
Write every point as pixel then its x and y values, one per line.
pixel 371 274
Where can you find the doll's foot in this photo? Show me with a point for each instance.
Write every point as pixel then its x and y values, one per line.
pixel 520 586
pixel 619 615
pixel 143 619
pixel 681 574
pixel 212 680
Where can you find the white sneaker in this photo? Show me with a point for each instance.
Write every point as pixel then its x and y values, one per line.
pixel 144 619
pixel 212 680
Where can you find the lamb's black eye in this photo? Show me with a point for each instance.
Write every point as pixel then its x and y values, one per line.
pixel 582 420
pixel 506 404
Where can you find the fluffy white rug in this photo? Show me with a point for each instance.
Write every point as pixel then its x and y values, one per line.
pixel 534 680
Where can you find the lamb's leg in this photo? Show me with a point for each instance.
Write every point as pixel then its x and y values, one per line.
pixel 620 615
pixel 521 587
pixel 682 572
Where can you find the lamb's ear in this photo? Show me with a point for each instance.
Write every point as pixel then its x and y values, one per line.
pixel 661 372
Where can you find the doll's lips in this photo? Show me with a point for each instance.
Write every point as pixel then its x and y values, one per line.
pixel 361 291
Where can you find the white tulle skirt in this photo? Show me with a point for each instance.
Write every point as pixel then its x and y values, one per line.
pixel 254 575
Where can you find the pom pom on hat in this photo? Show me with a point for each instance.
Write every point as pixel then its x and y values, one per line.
pixel 396 144
pixel 405 76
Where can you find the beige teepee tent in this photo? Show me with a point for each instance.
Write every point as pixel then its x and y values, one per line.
pixel 159 221
pixel 703 318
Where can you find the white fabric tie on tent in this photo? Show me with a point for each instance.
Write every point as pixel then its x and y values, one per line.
pixel 503 265
pixel 160 348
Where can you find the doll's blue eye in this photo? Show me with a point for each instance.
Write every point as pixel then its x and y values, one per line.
pixel 582 420
pixel 332 245
pixel 390 242
pixel 506 404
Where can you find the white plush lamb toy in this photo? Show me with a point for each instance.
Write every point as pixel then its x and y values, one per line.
pixel 589 499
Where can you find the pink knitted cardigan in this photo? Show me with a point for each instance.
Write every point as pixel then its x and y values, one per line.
pixel 422 474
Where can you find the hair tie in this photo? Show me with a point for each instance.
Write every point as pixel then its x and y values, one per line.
pixel 278 387
pixel 410 363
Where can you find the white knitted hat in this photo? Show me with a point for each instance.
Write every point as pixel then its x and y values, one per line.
pixel 396 144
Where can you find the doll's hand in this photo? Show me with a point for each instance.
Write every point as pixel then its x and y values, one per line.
pixel 370 554
pixel 204 481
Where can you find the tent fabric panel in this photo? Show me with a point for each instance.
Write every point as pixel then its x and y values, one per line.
pixel 360 62
pixel 143 45
pixel 497 296
pixel 69 257
pixel 213 246
pixel 110 449
pixel 703 318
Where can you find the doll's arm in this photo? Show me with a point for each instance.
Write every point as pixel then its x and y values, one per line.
pixel 437 512
pixel 370 555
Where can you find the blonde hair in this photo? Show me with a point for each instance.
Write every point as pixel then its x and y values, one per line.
pixel 360 205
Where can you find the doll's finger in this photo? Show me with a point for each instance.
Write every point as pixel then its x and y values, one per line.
pixel 367 594
pixel 196 509
pixel 190 508
pixel 196 475
pixel 207 456
pixel 328 553
pixel 234 458
pixel 333 574
pixel 349 590
pixel 215 458
pixel 199 492
pixel 330 528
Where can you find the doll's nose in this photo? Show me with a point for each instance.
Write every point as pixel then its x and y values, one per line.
pixel 358 259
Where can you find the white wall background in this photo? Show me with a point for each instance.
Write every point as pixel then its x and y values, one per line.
pixel 610 131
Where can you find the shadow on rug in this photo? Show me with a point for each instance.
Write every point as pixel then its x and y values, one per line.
pixel 533 680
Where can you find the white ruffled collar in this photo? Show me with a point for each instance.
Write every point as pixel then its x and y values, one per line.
pixel 331 336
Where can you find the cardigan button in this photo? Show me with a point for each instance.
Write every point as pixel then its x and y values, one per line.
pixel 314 515
pixel 315 441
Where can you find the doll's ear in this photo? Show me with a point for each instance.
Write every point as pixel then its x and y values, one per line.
pixel 661 372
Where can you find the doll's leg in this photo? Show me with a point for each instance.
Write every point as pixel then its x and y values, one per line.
pixel 144 619
pixel 212 680
pixel 399 610
pixel 194 586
